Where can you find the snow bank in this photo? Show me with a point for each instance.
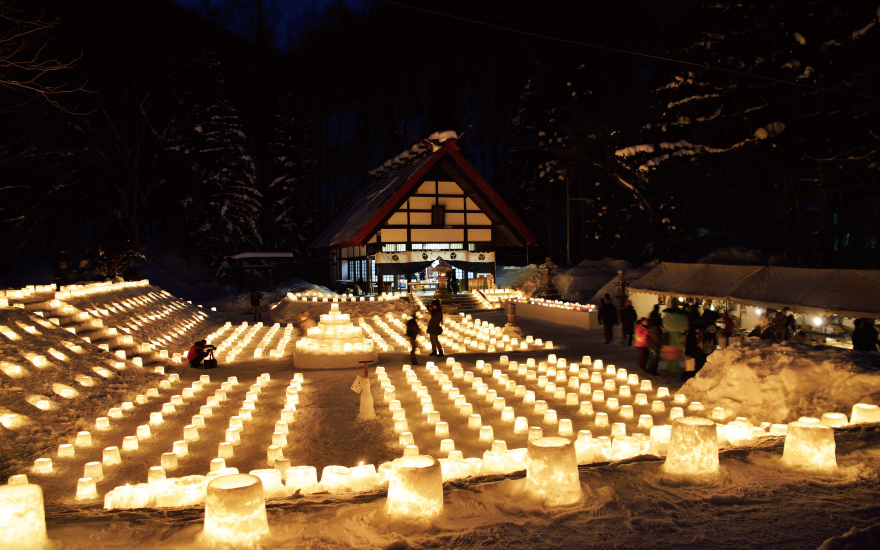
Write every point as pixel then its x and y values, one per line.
pixel 241 303
pixel 585 282
pixel 768 380
pixel 740 255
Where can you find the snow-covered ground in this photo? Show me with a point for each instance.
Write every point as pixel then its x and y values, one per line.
pixel 754 503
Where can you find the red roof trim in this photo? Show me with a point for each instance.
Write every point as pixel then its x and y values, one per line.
pixel 450 148
pixel 397 197
pixel 493 196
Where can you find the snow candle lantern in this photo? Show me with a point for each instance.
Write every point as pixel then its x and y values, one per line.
pixel 810 447
pixel 863 413
pixel 235 511
pixel 552 473
pixel 693 449
pixel 23 518
pixel 415 491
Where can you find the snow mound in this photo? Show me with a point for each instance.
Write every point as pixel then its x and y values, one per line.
pixel 585 282
pixel 241 303
pixel 630 274
pixel 768 380
pixel 734 255
pixel 855 539
pixel 519 278
pixel 580 283
pixel 740 255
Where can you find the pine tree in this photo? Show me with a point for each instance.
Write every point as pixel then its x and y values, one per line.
pixel 564 150
pixel 223 203
pixel 774 129
pixel 289 196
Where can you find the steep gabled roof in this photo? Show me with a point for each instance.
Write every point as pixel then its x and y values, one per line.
pixel 360 221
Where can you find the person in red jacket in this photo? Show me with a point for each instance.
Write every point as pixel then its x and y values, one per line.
pixel 642 341
pixel 197 353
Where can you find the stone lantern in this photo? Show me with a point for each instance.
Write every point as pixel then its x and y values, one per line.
pixel 549 293
pixel 442 293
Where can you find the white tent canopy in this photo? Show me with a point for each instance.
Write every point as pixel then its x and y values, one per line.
pixel 845 292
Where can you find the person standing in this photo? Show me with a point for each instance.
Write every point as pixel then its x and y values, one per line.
pixel 628 322
pixel 435 327
pixel 412 332
pixel 607 318
pixel 61 269
pixel 642 342
pixel 864 337
pixel 256 296
pixel 655 334
pixel 791 325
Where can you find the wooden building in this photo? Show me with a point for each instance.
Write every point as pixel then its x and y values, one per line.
pixel 426 203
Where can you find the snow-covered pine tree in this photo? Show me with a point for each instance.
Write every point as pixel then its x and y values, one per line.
pixel 289 197
pixel 222 204
pixel 772 137
pixel 562 145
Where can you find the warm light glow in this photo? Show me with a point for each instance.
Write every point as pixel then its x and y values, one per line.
pixel 415 491
pixel 693 449
pixel 552 475
pixel 809 447
pixel 235 511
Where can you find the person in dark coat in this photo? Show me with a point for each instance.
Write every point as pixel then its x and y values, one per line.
pixel 693 349
pixel 776 329
pixel 256 296
pixel 607 318
pixel 61 269
pixel 412 332
pixel 791 325
pixel 435 327
pixel 864 337
pixel 655 334
pixel 628 322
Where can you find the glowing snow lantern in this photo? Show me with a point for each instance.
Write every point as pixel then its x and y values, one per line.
pixel 235 511
pixel 23 518
pixel 156 473
pixel 18 479
pixel 94 470
pixel 86 489
pixel 601 420
pixel 565 428
pixel 693 449
pixel 862 413
pixel 336 478
pixel 180 448
pixel 225 450
pixel 441 430
pixel 66 450
pixel 302 478
pixel 447 446
pixel 552 474
pixel 83 439
pixel 42 466
pixel 415 491
pixel 646 422
pixel 169 461
pixel 834 420
pixel 102 423
pixel 535 433
pixel 129 443
pixel 809 447
pixel 111 456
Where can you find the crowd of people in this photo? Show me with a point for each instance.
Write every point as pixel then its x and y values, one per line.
pixel 697 334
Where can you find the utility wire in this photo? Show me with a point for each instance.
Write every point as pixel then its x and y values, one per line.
pixel 628 52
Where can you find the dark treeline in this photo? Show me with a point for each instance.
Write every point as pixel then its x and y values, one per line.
pixel 167 128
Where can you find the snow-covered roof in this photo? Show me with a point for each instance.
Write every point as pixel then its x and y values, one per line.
pixel 846 292
pixel 261 255
pixel 399 177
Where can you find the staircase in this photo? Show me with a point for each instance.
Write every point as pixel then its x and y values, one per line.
pixel 466 302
